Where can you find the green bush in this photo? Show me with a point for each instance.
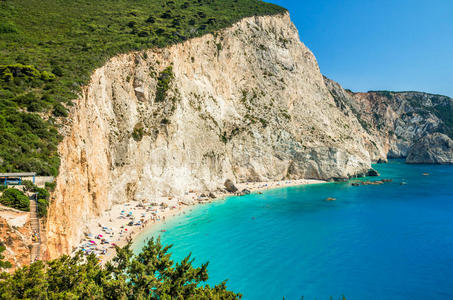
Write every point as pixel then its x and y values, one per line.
pixel 47 76
pixel 42 208
pixel 59 110
pixel 163 83
pixel 15 199
pixel 28 185
pixel 50 186
pixel 7 28
pixel 138 133
pixel 42 193
pixel 3 264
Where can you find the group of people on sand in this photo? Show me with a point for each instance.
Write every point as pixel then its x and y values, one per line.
pixel 129 218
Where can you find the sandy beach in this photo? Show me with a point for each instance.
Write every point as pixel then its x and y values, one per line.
pixel 126 221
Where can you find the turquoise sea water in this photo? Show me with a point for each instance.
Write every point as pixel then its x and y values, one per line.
pixel 374 242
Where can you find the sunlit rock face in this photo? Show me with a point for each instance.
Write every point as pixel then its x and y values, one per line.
pixel 15 234
pixel 247 104
pixel 396 121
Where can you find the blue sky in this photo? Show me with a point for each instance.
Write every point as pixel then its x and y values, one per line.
pixel 379 45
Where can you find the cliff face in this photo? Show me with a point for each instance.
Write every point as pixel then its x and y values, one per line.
pixel 247 104
pixel 395 121
pixel 436 148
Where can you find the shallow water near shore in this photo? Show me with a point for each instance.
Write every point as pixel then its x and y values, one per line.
pixel 388 241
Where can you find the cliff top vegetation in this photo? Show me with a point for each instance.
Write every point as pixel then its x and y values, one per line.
pixel 49 48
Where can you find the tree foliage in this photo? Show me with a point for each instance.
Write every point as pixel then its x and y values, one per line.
pixel 3 264
pixel 149 275
pixel 15 199
pixel 49 48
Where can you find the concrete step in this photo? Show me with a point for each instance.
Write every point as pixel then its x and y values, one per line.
pixel 34 222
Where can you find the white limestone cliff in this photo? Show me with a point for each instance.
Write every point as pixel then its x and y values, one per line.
pixel 247 103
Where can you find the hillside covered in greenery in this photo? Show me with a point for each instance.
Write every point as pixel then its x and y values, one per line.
pixel 48 49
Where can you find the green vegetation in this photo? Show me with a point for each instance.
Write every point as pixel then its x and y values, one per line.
pixel 28 185
pixel 15 199
pixel 43 201
pixel 42 207
pixel 138 132
pixel 3 264
pixel 50 186
pixel 42 195
pixel 149 275
pixel 163 84
pixel 49 48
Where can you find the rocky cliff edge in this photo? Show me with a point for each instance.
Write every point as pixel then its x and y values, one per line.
pixel 247 104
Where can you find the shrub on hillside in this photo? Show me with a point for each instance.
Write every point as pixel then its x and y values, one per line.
pixel 28 185
pixel 42 207
pixel 163 83
pixel 59 110
pixel 50 186
pixel 3 264
pixel 42 193
pixel 15 199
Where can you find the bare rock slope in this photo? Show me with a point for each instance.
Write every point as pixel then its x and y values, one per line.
pixel 436 148
pixel 247 104
pixel 15 234
pixel 396 120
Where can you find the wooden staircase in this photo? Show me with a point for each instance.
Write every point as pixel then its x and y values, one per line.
pixel 34 220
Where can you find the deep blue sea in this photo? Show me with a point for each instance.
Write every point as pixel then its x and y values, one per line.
pixel 390 241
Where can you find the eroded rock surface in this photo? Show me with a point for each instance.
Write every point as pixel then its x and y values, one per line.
pixel 395 121
pixel 436 148
pixel 248 103
pixel 15 233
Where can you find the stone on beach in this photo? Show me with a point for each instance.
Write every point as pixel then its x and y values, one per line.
pixel 230 187
pixel 244 192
